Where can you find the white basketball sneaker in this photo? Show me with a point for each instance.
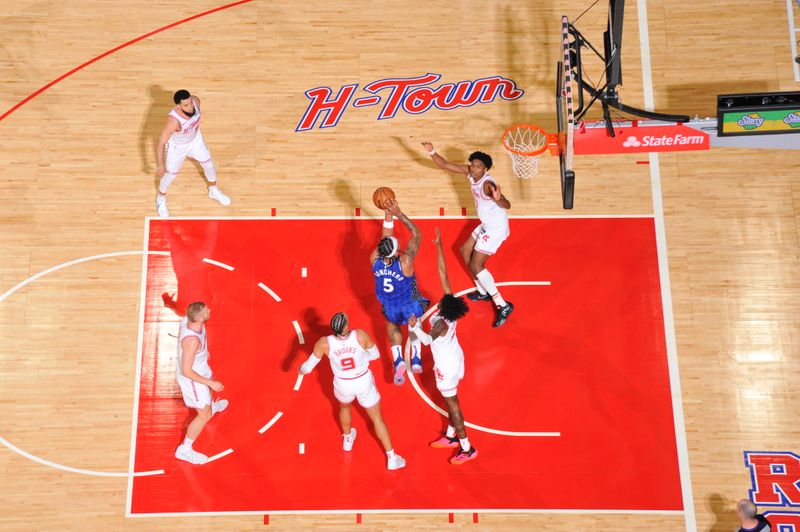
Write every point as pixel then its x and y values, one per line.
pixel 216 194
pixel 349 439
pixel 396 462
pixel 184 452
pixel 218 406
pixel 161 205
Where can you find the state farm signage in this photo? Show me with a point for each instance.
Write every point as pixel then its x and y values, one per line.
pixel 640 139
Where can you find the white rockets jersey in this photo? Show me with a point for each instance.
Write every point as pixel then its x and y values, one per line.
pixel 447 344
pixel 200 365
pixel 348 358
pixel 189 126
pixel 492 215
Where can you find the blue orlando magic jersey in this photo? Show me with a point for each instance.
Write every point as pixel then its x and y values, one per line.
pixel 392 286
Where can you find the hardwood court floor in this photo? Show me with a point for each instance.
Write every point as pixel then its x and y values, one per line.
pixel 78 178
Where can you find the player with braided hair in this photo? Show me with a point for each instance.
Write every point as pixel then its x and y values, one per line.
pixel 448 359
pixel 349 352
pixel 396 288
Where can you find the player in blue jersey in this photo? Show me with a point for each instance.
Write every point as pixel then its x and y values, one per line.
pixel 396 288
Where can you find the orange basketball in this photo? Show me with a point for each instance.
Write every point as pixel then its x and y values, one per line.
pixel 381 196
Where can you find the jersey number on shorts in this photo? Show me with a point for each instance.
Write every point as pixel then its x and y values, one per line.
pixel 348 363
pixel 387 285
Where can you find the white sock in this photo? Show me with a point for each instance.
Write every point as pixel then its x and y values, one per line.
pixel 397 352
pixel 213 188
pixel 464 443
pixel 416 348
pixel 487 281
pixel 349 433
pixel 480 287
pixel 451 431
pixel 188 442
pixel 390 453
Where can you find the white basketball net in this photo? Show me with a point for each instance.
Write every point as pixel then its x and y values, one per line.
pixel 524 145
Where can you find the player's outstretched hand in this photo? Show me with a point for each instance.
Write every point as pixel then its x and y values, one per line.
pixel 216 386
pixel 428 146
pixel 392 207
pixel 412 321
pixel 438 239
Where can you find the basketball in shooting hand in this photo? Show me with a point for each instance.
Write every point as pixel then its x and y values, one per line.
pixel 381 196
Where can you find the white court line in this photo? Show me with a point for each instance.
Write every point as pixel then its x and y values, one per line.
pixel 793 38
pixel 219 455
pixel 269 290
pixel 304 272
pixel 28 281
pixel 418 511
pixel 90 472
pixel 365 217
pixel 433 405
pixel 666 291
pixel 298 382
pixel 301 448
pixel 298 331
pixel 220 264
pixel 271 422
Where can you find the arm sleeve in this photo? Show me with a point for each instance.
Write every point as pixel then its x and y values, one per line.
pixel 309 365
pixel 424 337
pixel 373 353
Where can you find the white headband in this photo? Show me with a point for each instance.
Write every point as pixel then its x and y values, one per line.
pixel 395 246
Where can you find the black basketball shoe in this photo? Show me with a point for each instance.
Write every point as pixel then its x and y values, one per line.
pixel 501 314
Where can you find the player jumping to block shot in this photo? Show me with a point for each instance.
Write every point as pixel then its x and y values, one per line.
pixel 492 231
pixel 448 359
pixel 349 352
pixel 396 288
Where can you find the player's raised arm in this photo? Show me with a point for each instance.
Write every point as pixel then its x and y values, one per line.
pixel 416 235
pixel 441 265
pixel 320 350
pixel 443 163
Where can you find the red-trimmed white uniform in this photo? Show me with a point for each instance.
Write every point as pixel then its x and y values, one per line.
pixel 195 394
pixel 493 229
pixel 352 378
pixel 448 359
pixel 188 142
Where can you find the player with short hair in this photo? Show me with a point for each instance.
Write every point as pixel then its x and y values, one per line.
pixel 349 352
pixel 396 288
pixel 181 138
pixel 195 378
pixel 490 234
pixel 448 359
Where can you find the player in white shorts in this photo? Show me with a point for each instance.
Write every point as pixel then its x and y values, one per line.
pixel 181 138
pixel 448 360
pixel 490 234
pixel 350 352
pixel 195 378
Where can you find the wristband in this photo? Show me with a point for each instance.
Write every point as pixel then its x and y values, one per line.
pixel 432 153
pixel 388 225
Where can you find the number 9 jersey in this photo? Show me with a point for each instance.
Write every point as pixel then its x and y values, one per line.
pixel 397 292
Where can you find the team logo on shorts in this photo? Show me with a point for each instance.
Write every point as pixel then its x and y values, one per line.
pixel 439 374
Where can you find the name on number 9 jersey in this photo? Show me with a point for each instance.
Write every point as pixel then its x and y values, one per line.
pixel 392 286
pixel 348 359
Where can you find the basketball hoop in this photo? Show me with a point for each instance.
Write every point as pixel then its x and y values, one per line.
pixel 524 143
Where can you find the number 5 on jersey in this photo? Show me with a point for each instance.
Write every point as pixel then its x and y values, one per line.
pixel 387 285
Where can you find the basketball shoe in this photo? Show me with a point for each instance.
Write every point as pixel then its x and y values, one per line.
pixel 501 314
pixel 186 453
pixel 216 194
pixel 161 205
pixel 463 456
pixel 399 371
pixel 218 406
pixel 477 296
pixel 395 462
pixel 445 443
pixel 349 439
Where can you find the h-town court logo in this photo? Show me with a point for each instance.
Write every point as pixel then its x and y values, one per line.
pixel 411 95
